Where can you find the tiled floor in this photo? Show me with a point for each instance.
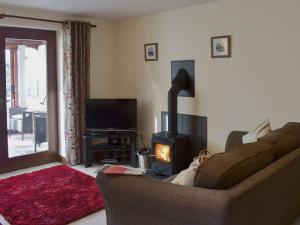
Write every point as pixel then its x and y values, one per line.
pixel 98 218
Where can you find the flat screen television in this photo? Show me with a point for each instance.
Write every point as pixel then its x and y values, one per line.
pixel 111 114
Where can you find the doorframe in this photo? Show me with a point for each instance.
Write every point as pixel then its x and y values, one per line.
pixel 39 158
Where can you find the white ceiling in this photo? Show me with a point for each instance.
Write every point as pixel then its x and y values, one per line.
pixel 105 9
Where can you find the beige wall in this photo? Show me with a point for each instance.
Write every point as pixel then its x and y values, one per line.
pixel 103 42
pixel 260 81
pixel 104 77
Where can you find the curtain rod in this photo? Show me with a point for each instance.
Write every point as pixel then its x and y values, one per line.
pixel 2 15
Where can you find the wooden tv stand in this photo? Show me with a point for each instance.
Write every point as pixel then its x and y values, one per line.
pixel 89 148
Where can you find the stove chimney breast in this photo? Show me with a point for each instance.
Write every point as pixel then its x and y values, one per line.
pixel 178 84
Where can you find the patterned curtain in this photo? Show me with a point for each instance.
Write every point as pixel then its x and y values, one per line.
pixel 76 86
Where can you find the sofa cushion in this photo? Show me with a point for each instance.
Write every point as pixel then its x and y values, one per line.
pixel 234 139
pixel 261 130
pixel 186 177
pixel 224 170
pixel 284 140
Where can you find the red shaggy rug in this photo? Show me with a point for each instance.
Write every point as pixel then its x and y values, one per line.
pixel 53 196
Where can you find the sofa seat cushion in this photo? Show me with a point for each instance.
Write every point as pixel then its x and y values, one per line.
pixel 284 140
pixel 225 170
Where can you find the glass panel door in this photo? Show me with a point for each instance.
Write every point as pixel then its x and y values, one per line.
pixel 26 96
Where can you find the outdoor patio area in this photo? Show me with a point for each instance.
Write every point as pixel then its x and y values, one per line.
pixel 19 147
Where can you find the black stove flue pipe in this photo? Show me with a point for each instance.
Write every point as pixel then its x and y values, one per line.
pixel 178 84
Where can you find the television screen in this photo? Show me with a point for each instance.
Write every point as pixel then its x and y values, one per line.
pixel 111 114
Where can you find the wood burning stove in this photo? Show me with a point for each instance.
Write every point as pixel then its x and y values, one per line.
pixel 170 150
pixel 170 153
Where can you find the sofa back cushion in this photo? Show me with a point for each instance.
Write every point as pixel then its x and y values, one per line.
pixel 234 139
pixel 224 170
pixel 284 140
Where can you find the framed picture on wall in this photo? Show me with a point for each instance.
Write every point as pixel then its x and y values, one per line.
pixel 151 52
pixel 221 47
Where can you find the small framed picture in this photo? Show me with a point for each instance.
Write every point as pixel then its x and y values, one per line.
pixel 151 52
pixel 221 47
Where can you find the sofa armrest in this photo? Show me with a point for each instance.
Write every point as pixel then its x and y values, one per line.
pixel 140 200
pixel 234 139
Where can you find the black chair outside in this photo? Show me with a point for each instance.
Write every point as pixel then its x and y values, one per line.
pixel 39 129
pixel 20 120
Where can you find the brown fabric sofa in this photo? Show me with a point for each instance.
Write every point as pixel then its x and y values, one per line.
pixel 271 196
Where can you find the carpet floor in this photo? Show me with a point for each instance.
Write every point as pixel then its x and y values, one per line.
pixel 52 196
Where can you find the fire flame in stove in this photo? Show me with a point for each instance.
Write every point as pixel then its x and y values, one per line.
pixel 162 152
